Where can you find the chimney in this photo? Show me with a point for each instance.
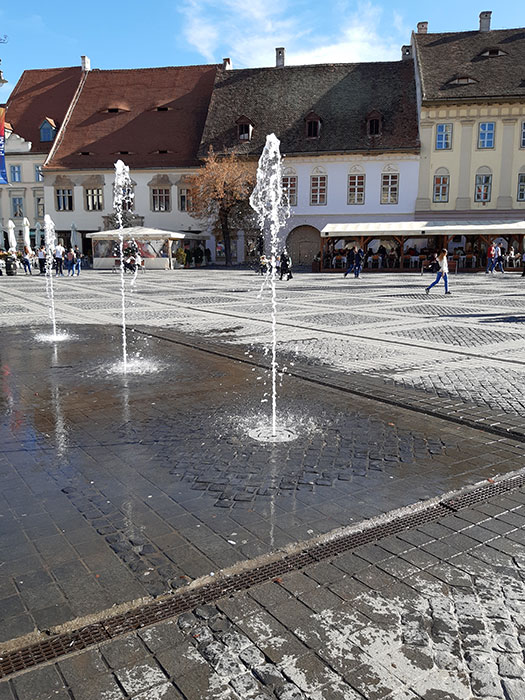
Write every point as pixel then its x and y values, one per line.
pixel 484 21
pixel 279 57
pixel 422 27
pixel 406 53
pixel 86 64
pixel 227 63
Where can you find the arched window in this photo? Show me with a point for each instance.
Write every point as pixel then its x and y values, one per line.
pixel 160 193
pixel 441 185
pixel 312 125
pixel 483 188
pixel 290 186
pixel 390 185
pixel 93 193
pixel 47 130
pixel 244 128
pixel 318 186
pixel 356 185
pixel 374 123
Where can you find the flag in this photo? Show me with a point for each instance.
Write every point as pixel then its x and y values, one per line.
pixel 3 172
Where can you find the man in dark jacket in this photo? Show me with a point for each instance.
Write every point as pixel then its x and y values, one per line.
pixel 350 258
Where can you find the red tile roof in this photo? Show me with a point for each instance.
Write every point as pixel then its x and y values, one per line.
pixel 182 93
pixel 40 94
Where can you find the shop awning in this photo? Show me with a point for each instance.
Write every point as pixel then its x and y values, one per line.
pixel 487 227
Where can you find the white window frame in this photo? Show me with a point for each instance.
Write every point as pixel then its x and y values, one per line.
pixel 64 199
pixel 484 134
pixel 318 189
pixel 443 136
pixel 39 175
pixel 15 173
pixel 289 185
pixel 17 207
pixel 521 187
pixel 161 199
pixel 483 187
pixel 39 206
pixel 184 199
pixel 244 131
pixel 522 145
pixel 355 190
pixel 94 198
pixel 440 190
pixel 389 188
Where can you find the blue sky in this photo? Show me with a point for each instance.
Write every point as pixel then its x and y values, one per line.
pixel 138 34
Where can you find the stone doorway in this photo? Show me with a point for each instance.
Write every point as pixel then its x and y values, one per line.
pixel 303 244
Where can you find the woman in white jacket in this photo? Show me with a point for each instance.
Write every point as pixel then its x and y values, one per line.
pixel 443 272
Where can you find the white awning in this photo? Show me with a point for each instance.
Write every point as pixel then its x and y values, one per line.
pixel 144 233
pixel 425 228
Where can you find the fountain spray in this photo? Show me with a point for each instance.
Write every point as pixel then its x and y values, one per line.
pixel 272 211
pixel 122 193
pixel 50 241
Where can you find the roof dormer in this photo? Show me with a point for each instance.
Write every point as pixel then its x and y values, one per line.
pixel 244 128
pixel 462 80
pixel 48 130
pixel 312 123
pixel 492 52
pixel 374 123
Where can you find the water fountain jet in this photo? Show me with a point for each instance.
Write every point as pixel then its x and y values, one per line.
pixel 272 210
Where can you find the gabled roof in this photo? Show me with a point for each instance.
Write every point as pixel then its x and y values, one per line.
pixel 39 95
pixel 444 57
pixel 183 94
pixel 279 99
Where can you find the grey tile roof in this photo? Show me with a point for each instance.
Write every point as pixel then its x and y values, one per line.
pixel 443 57
pixel 278 100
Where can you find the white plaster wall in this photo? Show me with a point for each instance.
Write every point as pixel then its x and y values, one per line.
pixel 84 220
pixel 337 209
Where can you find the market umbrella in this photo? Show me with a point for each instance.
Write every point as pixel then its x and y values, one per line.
pixel 38 235
pixel 11 235
pixel 26 232
pixel 76 238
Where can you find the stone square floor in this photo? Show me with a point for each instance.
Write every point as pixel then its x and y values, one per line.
pixel 117 490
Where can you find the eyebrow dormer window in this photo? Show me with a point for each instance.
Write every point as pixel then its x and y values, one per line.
pixel 113 110
pixel 492 52
pixel 462 80
pixel 313 126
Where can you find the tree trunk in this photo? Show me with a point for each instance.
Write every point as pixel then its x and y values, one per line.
pixel 225 229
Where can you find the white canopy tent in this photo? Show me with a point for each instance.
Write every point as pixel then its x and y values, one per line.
pixel 154 245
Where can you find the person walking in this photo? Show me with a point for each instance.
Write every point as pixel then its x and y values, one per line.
pixel 78 260
pixel 26 260
pixel 351 260
pixel 286 266
pixel 490 257
pixel 42 259
pixel 443 272
pixel 70 263
pixel 358 262
pixel 498 260
pixel 59 258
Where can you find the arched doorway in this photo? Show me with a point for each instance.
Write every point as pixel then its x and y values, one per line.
pixel 303 244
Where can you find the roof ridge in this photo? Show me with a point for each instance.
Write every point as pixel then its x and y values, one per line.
pixel 121 70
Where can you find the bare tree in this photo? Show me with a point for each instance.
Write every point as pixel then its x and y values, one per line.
pixel 220 196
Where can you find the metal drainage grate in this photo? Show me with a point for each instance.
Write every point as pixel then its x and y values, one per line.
pixel 151 613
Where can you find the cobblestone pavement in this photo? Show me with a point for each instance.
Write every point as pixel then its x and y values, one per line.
pixel 116 488
pixel 435 613
pixel 382 324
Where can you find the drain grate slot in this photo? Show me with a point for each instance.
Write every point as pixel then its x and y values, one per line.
pixel 151 613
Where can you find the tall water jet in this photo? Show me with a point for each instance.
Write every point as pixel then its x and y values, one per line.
pixel 272 211
pixel 50 243
pixel 122 196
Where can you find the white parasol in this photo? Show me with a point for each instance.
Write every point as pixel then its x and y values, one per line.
pixel 38 235
pixel 26 232
pixel 11 235
pixel 76 238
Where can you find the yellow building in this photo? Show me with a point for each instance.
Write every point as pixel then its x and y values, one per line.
pixel 471 92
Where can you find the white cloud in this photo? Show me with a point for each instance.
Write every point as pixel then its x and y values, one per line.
pixel 248 32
